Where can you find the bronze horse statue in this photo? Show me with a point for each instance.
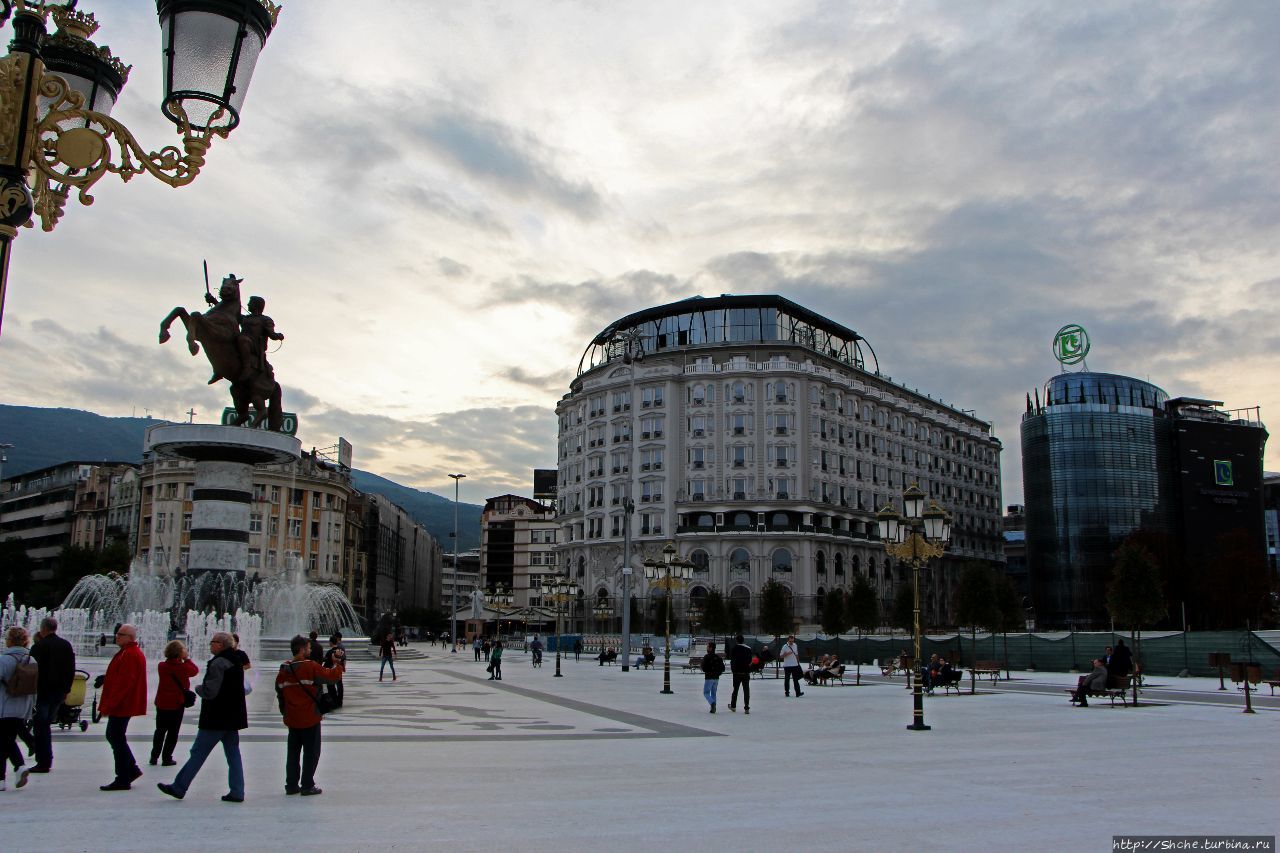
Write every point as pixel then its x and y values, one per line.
pixel 230 354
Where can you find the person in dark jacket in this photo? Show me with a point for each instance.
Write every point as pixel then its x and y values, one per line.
pixel 712 669
pixel 335 657
pixel 740 665
pixel 1121 661
pixel 316 650
pixel 222 716
pixel 124 696
pixel 175 673
pixel 57 670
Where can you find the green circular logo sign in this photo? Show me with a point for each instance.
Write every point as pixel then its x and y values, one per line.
pixel 1071 344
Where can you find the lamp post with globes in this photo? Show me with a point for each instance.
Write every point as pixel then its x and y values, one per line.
pixel 916 536
pixel 57 92
pixel 632 344
pixel 560 590
pixel 499 600
pixel 602 613
pixel 668 574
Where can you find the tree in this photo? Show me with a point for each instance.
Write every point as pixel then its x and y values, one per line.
pixel 1236 587
pixel 715 618
pixel 1008 607
pixel 775 609
pixel 975 601
pixel 863 611
pixel 74 562
pixel 835 616
pixel 734 615
pixel 1135 596
pixel 15 568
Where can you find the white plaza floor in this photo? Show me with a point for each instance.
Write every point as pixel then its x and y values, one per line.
pixel 443 759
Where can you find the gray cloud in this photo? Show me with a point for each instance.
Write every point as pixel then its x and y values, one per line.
pixel 555 381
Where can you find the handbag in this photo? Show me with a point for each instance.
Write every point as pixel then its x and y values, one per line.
pixel 188 696
pixel 325 702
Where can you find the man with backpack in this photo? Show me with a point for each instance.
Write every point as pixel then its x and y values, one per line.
pixel 298 692
pixel 57 661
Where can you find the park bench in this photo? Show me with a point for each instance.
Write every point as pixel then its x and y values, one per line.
pixel 902 664
pixel 693 664
pixel 1274 681
pixel 989 668
pixel 949 683
pixel 1117 688
pixel 826 676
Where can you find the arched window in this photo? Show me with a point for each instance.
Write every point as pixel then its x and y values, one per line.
pixel 820 561
pixel 701 562
pixel 780 519
pixel 705 519
pixel 855 563
pixel 739 560
pixel 840 564
pixel 740 597
pixel 782 560
pixel 698 395
pixel 582 566
pixel 741 519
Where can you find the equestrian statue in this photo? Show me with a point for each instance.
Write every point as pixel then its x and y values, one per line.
pixel 236 346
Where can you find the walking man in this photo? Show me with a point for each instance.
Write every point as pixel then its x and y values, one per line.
pixel 299 681
pixel 475 644
pixel 57 661
pixel 124 696
pixel 791 669
pixel 222 715
pixel 740 665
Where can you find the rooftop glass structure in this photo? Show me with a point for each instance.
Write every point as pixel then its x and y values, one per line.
pixel 701 321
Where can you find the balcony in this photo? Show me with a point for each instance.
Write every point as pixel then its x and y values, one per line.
pixel 780 430
pixel 699 433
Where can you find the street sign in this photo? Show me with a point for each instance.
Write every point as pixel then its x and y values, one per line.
pixel 288 423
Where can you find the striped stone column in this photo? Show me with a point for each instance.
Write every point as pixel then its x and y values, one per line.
pixel 225 457
pixel 220 501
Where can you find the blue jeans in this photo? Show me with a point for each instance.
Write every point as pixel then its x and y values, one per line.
pixel 383 668
pixel 709 687
pixel 206 740
pixel 46 712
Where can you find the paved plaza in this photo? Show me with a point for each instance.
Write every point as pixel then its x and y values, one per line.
pixel 444 759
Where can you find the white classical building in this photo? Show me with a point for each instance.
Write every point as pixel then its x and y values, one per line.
pixel 756 435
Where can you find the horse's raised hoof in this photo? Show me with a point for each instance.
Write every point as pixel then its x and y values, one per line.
pixel 164 335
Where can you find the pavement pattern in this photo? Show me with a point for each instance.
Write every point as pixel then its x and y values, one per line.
pixel 444 759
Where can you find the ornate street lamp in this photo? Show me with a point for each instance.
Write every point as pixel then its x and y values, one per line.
pixel 57 92
pixel 499 600
pixel 560 590
pixel 602 613
pixel 668 574
pixel 916 538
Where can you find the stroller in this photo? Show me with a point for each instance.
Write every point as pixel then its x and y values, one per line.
pixel 69 710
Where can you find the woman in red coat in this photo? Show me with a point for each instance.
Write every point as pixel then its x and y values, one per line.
pixel 124 695
pixel 175 680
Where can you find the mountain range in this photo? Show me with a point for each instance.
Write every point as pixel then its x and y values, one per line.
pixel 45 437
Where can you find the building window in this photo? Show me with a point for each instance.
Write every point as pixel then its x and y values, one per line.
pixel 295 528
pixel 255 522
pixel 255 558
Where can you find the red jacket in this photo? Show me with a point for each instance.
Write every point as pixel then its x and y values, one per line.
pixel 173 673
pixel 300 682
pixel 124 691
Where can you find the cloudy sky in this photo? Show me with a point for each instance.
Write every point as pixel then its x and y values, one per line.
pixel 442 202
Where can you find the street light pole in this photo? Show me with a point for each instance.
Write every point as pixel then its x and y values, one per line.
pixel 660 572
pixel 921 536
pixel 454 627
pixel 560 589
pixel 632 355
